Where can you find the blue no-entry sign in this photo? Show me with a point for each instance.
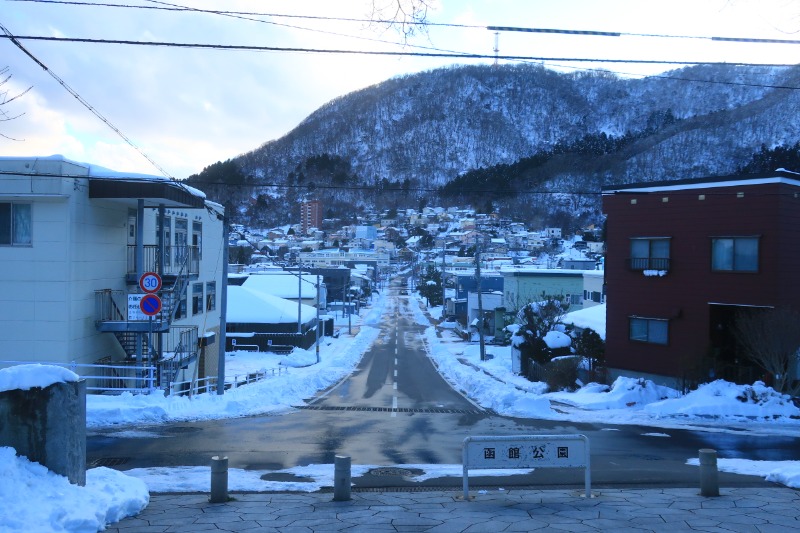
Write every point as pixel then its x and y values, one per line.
pixel 150 282
pixel 150 304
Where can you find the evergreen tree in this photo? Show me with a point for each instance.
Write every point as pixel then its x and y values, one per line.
pixel 430 286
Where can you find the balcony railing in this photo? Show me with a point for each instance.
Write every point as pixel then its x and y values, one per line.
pixel 648 263
pixel 175 259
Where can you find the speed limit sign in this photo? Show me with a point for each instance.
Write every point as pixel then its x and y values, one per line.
pixel 150 282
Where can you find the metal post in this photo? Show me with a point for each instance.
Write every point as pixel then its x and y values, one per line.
pixel 299 298
pixel 139 262
pixel 219 479
pixel 709 482
pixel 444 291
pixel 480 299
pixel 223 309
pixel 318 288
pixel 341 478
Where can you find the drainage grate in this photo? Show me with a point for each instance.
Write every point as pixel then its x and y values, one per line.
pixel 109 461
pixel 392 471
pixel 389 409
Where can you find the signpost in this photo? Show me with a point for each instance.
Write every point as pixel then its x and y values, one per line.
pixel 150 305
pixel 526 451
pixel 150 282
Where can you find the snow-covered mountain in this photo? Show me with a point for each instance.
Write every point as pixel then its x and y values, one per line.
pixel 410 136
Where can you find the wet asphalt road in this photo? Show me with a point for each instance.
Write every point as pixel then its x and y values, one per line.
pixel 395 409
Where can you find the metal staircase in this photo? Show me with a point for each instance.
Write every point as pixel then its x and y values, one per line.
pixel 136 336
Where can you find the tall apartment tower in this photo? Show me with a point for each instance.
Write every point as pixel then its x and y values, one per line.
pixel 310 215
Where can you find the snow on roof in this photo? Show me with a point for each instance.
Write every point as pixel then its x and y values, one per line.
pixel 591 317
pixel 282 284
pixel 24 377
pixel 779 176
pixel 254 307
pixel 96 171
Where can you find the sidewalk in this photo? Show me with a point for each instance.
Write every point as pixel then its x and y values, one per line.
pixel 757 510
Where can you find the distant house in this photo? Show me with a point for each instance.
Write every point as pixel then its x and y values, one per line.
pixel 523 285
pixel 262 322
pixel 684 258
pixel 75 240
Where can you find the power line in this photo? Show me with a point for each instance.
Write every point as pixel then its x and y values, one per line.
pixel 83 102
pixel 174 7
pixel 619 189
pixel 248 16
pixel 166 6
pixel 254 48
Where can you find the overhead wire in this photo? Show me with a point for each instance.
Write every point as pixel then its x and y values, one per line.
pixel 166 6
pixel 618 189
pixel 255 48
pixel 83 102
pixel 437 52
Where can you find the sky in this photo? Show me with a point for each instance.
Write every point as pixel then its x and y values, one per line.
pixel 49 502
pixel 186 108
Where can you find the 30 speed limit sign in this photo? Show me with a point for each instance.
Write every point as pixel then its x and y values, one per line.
pixel 150 282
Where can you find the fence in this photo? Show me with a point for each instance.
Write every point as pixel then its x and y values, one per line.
pixel 113 379
pixel 108 378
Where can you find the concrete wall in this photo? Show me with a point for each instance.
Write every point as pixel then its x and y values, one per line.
pixel 48 426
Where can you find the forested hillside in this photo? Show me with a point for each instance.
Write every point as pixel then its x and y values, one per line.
pixel 518 139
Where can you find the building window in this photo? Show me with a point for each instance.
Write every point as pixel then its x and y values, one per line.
pixel 15 224
pixel 197 298
pixel 197 238
pixel 211 295
pixel 649 253
pixel 652 330
pixel 182 305
pixel 739 254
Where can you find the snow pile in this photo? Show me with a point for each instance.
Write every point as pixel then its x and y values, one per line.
pixel 624 393
pixel 25 377
pixel 36 499
pixel 783 472
pixel 338 357
pixel 723 399
pixel 556 339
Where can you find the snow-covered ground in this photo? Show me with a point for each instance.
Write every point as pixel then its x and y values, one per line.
pixel 29 490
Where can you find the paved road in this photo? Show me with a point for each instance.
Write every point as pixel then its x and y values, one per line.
pixel 397 410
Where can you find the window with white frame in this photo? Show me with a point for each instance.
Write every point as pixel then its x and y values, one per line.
pixel 182 305
pixel 734 254
pixel 649 253
pixel 15 224
pixel 650 330
pixel 197 298
pixel 211 295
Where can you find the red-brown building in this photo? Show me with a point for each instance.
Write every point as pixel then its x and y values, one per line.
pixel 683 258
pixel 310 215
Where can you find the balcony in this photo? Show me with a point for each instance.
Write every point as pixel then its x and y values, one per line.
pixel 178 260
pixel 639 264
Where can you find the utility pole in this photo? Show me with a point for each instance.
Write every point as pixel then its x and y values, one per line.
pixel 223 308
pixel 318 287
pixel 299 296
pixel 480 299
pixel 444 292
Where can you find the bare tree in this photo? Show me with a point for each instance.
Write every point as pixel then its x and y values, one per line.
pixel 5 99
pixel 771 339
pixel 407 17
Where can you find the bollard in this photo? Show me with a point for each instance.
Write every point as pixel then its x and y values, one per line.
pixel 341 478
pixel 709 483
pixel 219 479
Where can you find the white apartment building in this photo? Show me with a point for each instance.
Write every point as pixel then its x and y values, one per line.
pixel 75 241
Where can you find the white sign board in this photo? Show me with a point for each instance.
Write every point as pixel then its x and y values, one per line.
pixel 526 451
pixel 134 311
